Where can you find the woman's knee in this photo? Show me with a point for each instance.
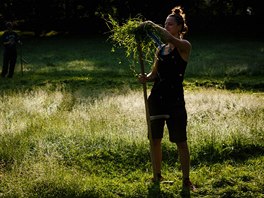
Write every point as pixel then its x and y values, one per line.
pixel 182 145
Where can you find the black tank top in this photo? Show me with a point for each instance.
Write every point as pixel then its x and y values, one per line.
pixel 170 74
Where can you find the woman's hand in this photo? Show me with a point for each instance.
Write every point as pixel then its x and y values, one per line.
pixel 147 25
pixel 142 78
pixel 163 33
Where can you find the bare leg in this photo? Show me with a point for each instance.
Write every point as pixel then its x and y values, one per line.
pixel 184 158
pixel 5 65
pixel 185 166
pixel 157 154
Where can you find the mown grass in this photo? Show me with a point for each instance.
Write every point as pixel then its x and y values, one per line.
pixel 74 124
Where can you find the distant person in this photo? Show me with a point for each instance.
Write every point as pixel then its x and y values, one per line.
pixel 10 40
pixel 166 100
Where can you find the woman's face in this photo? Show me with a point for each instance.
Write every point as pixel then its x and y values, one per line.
pixel 171 26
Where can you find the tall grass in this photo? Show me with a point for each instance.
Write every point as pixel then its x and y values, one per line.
pixel 225 122
pixel 74 126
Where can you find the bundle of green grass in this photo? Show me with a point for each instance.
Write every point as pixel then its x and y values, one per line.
pixel 131 33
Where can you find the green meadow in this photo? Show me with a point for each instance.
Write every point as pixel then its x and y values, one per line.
pixel 72 124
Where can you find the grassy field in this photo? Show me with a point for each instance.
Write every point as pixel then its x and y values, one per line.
pixel 73 125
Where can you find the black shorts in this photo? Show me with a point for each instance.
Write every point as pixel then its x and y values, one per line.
pixel 175 119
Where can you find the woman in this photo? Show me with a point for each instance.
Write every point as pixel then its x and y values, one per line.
pixel 166 101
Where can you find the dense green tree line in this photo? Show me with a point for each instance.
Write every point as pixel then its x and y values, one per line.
pixel 85 15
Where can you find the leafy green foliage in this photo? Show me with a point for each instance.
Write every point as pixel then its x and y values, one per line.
pixel 131 34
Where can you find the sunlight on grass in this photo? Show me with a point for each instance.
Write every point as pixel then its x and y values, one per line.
pixel 82 64
pixel 220 122
pixel 19 110
pixel 224 114
pixel 42 103
pixel 213 115
pixel 116 116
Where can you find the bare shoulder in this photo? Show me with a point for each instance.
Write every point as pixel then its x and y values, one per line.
pixel 185 50
pixel 186 43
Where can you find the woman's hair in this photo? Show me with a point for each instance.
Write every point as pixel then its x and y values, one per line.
pixel 179 15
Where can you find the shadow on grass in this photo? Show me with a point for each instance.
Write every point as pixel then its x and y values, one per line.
pixel 131 157
pixel 104 78
pixel 243 83
pixel 211 154
pixel 70 80
pixel 154 190
pixel 239 153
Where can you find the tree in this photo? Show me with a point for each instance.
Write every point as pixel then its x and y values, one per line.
pixel 84 15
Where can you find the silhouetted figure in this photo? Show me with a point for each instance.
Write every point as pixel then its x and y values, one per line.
pixel 10 40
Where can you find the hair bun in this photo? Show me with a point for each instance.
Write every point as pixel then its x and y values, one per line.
pixel 177 10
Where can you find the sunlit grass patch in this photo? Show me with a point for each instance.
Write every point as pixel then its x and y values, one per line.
pixel 224 125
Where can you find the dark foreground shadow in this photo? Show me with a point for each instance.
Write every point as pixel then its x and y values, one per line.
pixel 185 193
pixel 154 190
